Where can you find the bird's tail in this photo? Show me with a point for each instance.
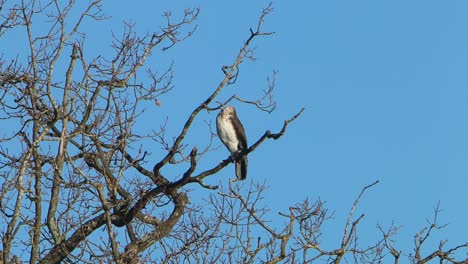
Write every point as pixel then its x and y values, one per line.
pixel 241 168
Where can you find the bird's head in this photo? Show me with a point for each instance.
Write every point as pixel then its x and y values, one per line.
pixel 228 111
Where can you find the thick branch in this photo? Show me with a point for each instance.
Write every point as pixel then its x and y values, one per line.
pixel 60 251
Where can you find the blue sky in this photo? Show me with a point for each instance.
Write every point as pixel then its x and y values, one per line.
pixel 385 88
pixel 384 85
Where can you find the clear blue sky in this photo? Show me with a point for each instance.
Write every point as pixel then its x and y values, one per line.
pixel 384 84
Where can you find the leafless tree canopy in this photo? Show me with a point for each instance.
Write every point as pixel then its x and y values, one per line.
pixel 77 185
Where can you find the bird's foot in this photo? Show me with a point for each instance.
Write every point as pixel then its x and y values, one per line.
pixel 235 156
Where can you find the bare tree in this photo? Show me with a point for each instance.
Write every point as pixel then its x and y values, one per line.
pixel 78 185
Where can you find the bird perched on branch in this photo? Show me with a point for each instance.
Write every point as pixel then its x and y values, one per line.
pixel 232 134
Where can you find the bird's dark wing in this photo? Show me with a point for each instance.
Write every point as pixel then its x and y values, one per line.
pixel 240 132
